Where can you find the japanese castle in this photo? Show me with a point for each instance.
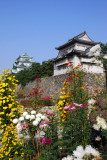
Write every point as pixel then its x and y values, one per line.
pixel 22 62
pixel 80 50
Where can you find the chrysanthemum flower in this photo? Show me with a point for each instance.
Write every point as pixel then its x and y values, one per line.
pixel 21 119
pixel 15 121
pixel 35 123
pixel 33 112
pixel 25 113
pixel 27 116
pixel 32 117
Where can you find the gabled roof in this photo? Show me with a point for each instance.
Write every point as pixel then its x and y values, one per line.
pixel 81 38
pixel 25 55
pixel 25 61
pixel 79 53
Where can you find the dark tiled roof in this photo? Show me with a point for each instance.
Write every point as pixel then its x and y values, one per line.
pixel 25 61
pixel 21 66
pixel 76 39
pixel 25 55
pixel 79 53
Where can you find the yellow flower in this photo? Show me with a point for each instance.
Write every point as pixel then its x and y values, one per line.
pixel 1 113
pixel 5 107
pixel 16 152
pixel 10 105
pixel 82 88
pixel 0 103
pixel 4 101
pixel 60 103
pixel 13 109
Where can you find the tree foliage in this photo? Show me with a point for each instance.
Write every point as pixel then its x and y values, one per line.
pixel 104 52
pixel 36 70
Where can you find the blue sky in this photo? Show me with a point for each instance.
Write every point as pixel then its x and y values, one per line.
pixel 38 26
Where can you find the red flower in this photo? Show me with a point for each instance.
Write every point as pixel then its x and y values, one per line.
pixel 35 89
pixel 49 141
pixel 46 98
pixel 38 79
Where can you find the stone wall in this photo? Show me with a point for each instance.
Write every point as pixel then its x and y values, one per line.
pixel 52 85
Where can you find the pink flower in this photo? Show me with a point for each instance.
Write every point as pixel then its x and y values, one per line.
pixel 25 125
pixel 43 140
pixel 80 106
pixel 66 108
pixel 44 122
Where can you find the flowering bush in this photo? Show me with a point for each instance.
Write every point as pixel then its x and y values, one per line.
pixel 65 134
pixel 34 99
pixel 11 144
pixel 9 108
pixel 27 126
pixel 73 90
pixel 50 141
pixel 84 154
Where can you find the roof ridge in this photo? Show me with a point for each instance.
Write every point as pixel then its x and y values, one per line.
pixel 78 36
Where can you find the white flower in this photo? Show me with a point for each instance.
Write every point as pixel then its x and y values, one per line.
pixel 105 56
pixel 100 120
pixel 38 119
pixel 32 117
pixel 96 53
pixel 89 150
pixel 19 128
pixel 21 119
pixel 68 158
pixel 27 116
pixel 78 159
pixel 104 126
pixel 33 112
pixel 15 120
pixel 91 101
pixel 64 158
pixel 98 138
pixel 79 152
pixel 35 123
pixel 25 113
pixel 39 115
pixel 96 126
pixel 95 49
pixel 43 117
pixel 43 126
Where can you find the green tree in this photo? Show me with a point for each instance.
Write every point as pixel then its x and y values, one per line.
pixel 47 69
pixel 36 70
pixel 23 76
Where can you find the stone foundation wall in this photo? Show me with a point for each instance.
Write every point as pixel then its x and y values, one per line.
pixel 53 85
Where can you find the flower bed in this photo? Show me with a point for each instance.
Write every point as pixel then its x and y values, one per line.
pixel 41 134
